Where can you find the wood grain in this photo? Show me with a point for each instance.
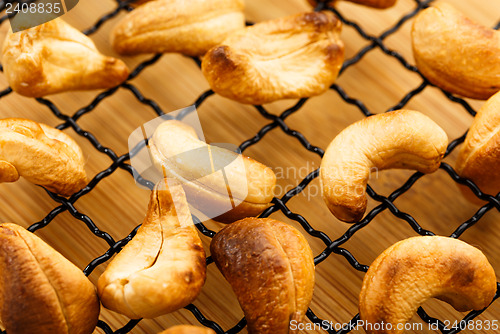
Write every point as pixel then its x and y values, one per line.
pixel 117 205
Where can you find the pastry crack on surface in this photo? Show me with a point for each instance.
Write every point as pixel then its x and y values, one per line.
pixel 163 266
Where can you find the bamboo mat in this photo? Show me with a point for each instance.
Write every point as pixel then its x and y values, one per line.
pixel 117 205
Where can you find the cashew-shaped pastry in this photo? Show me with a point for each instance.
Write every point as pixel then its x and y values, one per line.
pixel 411 271
pixel 399 139
pixel 479 157
pixel 188 27
pixel 220 183
pixel 42 155
pixel 286 58
pixel 381 4
pixel 270 267
pixel 185 329
pixel 162 269
pixel 54 57
pixel 455 53
pixel 40 290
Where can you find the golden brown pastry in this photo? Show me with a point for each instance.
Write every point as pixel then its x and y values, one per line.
pixel 270 267
pixel 455 53
pixel 287 58
pixel 411 271
pixel 399 139
pixel 55 57
pixel 479 158
pixel 245 188
pixel 42 155
pixel 40 290
pixel 184 329
pixel 188 27
pixel 162 269
pixel 381 4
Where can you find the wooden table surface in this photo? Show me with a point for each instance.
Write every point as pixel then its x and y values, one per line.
pixel 117 205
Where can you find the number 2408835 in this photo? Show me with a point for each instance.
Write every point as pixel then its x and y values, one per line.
pixel 472 325
pixel 46 8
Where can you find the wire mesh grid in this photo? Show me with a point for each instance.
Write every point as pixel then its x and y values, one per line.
pixel 278 204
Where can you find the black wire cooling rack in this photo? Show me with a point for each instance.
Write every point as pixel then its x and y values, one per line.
pixel 279 204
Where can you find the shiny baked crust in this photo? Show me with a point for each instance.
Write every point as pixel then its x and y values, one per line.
pixel 162 269
pixel 55 57
pixel 188 27
pixel 270 267
pixel 286 58
pixel 42 155
pixel 40 290
pixel 479 157
pixel 399 139
pixel 185 329
pixel 381 4
pixel 413 270
pixel 248 185
pixel 455 53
